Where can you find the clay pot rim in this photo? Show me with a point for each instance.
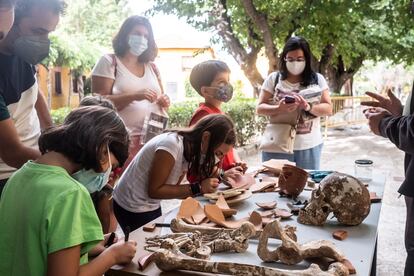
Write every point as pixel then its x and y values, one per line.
pixel 297 169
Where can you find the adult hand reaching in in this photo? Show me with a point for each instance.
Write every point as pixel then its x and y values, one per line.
pixel 391 104
pixel 374 116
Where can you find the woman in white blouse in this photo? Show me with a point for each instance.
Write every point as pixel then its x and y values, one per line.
pixel 130 79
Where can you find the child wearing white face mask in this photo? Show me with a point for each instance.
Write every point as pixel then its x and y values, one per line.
pixel 130 79
pixel 298 97
pixel 45 208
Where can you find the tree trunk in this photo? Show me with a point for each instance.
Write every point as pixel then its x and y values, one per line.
pixel 260 20
pixel 246 60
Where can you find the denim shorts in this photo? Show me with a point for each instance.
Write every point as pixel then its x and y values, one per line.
pixel 309 159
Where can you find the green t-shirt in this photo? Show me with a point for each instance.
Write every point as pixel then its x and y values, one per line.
pixel 44 210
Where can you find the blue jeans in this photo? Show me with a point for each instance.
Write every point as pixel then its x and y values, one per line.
pixel 309 159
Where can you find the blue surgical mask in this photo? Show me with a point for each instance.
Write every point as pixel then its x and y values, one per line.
pixel 92 180
pixel 137 44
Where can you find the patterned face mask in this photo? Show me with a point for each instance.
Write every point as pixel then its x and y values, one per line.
pixel 223 93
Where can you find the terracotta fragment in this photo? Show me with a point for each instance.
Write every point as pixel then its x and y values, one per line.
pixel 267 205
pixel 374 197
pixel 226 193
pixel 191 211
pixel 214 213
pixel 340 235
pixel 256 220
pixel 292 180
pixel 241 181
pixel 240 198
pixel 275 165
pixel 145 260
pixel 282 213
pixel 222 204
pixel 149 227
pixel 262 186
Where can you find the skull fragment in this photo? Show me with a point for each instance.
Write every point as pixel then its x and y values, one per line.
pixel 342 194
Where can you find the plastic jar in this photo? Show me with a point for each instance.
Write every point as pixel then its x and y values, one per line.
pixel 363 169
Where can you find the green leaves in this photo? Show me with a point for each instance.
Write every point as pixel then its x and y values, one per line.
pixel 369 29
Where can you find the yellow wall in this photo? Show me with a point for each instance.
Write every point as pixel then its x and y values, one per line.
pixel 58 100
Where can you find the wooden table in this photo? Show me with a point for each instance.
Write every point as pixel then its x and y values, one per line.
pixel 359 247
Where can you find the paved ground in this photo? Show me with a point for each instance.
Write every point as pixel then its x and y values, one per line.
pixel 341 148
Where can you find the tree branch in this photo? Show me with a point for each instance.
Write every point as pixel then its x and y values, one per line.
pixel 260 20
pixel 246 60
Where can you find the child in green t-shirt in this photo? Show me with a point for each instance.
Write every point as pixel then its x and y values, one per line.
pixel 45 209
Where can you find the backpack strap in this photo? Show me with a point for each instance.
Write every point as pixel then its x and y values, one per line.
pixel 276 81
pixel 158 75
pixel 115 65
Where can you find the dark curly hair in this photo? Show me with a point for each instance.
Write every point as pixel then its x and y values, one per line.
pixel 83 134
pixel 120 41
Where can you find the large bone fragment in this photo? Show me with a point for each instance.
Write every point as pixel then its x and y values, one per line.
pixel 291 252
pixel 168 260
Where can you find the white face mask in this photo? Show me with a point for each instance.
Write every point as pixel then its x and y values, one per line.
pixel 92 180
pixel 295 67
pixel 137 44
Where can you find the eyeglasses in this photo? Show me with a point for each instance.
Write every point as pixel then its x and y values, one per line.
pixel 300 59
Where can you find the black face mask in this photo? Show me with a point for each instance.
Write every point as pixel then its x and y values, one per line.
pixel 31 48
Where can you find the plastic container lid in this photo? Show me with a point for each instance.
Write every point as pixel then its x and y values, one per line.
pixel 364 162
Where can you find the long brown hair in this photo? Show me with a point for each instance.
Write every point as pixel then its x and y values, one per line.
pixel 221 129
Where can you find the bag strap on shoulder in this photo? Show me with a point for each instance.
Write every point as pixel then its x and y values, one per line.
pixel 157 74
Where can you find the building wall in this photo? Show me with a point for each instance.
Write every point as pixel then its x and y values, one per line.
pixel 175 65
pixel 57 100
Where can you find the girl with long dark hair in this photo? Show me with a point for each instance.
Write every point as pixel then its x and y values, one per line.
pixel 158 169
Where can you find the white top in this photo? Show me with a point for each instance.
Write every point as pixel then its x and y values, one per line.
pixel 26 122
pixel 126 82
pixel 308 134
pixel 131 193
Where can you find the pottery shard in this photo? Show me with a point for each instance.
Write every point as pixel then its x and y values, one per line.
pixel 145 260
pixel 149 227
pixel 222 204
pixel 340 235
pixel 374 197
pixel 267 205
pixel 349 265
pixel 282 213
pixel 191 211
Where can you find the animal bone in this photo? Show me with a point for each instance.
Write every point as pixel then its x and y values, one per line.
pixel 342 194
pixel 291 252
pixel 171 259
pixel 195 244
